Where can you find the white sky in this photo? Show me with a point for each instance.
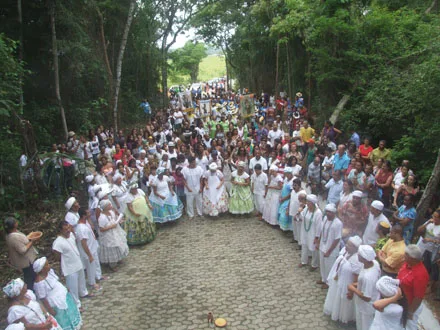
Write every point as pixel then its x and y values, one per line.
pixel 182 39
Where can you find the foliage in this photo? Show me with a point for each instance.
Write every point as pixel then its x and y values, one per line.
pixel 186 60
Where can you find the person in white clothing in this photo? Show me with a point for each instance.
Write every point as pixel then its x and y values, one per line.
pixel 259 182
pixel 295 208
pixel 388 314
pixel 311 218
pixel 329 241
pixel 193 181
pixel 364 290
pixel 274 134
pixel 72 207
pixel 258 160
pixel 376 216
pixel 88 249
pixel 66 250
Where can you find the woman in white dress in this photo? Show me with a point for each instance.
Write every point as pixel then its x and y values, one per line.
pixel 215 197
pixel 166 205
pixel 24 307
pixel 119 193
pixel 112 238
pixel 55 297
pixel 345 271
pixel 272 198
pixel 389 315
pixel 364 290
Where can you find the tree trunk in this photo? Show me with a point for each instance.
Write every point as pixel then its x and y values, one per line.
pixel 430 189
pixel 164 77
pixel 108 68
pixel 20 52
pixel 55 67
pixel 276 71
pixel 433 5
pixel 117 83
pixel 334 117
pixel 289 94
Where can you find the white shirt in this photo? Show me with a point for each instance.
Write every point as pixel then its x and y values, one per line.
pixel 370 236
pixel 389 319
pixel 192 177
pixel 294 202
pixel 178 116
pixel 367 285
pixel 254 161
pixel 23 160
pixel 275 135
pixel 331 231
pixel 334 190
pixel 259 182
pixel 84 231
pixel 70 257
pixel 72 218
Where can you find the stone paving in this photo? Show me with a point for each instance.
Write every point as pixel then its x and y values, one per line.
pixel 239 268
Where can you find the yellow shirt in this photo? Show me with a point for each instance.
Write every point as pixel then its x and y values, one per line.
pixel 377 153
pixel 395 255
pixel 306 134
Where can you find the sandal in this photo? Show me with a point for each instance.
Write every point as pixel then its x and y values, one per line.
pixel 90 295
pixel 104 278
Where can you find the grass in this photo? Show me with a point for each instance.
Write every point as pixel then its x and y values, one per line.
pixel 212 66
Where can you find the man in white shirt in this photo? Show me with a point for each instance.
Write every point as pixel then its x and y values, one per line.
pixel 258 160
pixel 178 119
pixel 193 187
pixel 334 186
pixel 88 249
pixel 274 134
pixel 374 218
pixel 66 250
pixel 331 234
pixel 259 182
pixel 171 152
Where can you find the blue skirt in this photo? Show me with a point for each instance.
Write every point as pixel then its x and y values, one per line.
pixel 70 318
pixel 166 212
pixel 285 221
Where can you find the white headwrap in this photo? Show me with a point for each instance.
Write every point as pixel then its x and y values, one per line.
pixel 273 168
pixel 367 252
pixel 330 208
pixel 288 170
pixel 69 203
pixel 16 326
pixel 13 288
pixel 39 264
pixel 104 203
pixel 89 178
pixel 213 166
pixel 143 151
pixel 378 205
pixel 134 185
pixel 312 198
pixel 387 286
pixel 241 164
pixel 357 193
pixel 116 177
pixel 355 240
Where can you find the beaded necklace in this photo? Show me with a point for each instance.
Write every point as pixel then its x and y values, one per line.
pixel 307 229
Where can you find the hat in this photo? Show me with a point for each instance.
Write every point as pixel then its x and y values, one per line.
pixel 133 185
pixel 273 168
pixel 71 133
pixel 241 164
pixel 355 240
pixel 288 170
pixel 104 203
pixel 171 144
pixel 213 166
pixel 69 203
pixel 357 193
pixel 311 141
pixel 160 170
pixel 378 205
pixel 387 286
pixel 13 288
pixel 39 264
pixel 116 177
pixel 143 151
pixel 15 326
pixel 312 198
pixel 367 252
pixel 330 208
pixel 89 178
pixel 384 224
pixel 299 94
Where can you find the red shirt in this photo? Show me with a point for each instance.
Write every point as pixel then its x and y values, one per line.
pixel 118 156
pixel 413 281
pixel 365 151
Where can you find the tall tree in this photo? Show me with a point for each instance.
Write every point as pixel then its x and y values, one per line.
pixel 187 59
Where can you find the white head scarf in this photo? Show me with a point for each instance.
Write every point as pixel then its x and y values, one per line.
pixel 273 168
pixel 356 241
pixel 387 286
pixel 39 264
pixel 89 178
pixel 367 252
pixel 357 193
pixel 104 203
pixel 288 170
pixel 16 326
pixel 69 203
pixel 312 198
pixel 378 205
pixel 13 288
pixel 330 208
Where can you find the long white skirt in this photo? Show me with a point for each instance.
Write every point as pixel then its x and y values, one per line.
pixel 271 205
pixel 338 307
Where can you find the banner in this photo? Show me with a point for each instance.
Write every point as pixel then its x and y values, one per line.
pixel 247 105
pixel 205 108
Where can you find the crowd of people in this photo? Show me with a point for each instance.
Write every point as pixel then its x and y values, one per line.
pixel 351 214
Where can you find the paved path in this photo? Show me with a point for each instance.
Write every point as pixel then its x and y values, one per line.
pixel 239 268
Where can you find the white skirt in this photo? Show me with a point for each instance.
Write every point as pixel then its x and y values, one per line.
pixel 271 205
pixel 339 308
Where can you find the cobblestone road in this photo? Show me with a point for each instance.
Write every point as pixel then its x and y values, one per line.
pixel 239 268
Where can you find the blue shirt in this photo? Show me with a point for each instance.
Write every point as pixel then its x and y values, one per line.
pixel 356 139
pixel 334 191
pixel 146 107
pixel 409 213
pixel 341 163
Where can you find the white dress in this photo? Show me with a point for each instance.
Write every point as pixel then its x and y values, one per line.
pixel 337 305
pixel 367 285
pixel 389 319
pixel 272 201
pixel 113 242
pixel 32 312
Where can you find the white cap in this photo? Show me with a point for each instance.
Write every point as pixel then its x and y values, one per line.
pixel 387 286
pixel 378 205
pixel 312 198
pixel 213 166
pixel 330 208
pixel 69 203
pixel 356 240
pixel 273 168
pixel 367 252
pixel 89 178
pixel 357 193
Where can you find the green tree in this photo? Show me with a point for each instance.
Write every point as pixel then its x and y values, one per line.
pixel 186 60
